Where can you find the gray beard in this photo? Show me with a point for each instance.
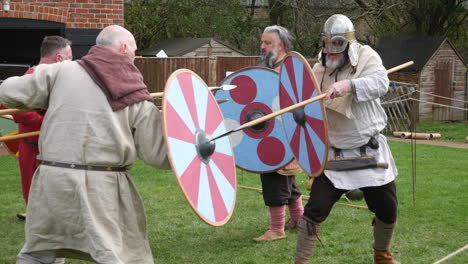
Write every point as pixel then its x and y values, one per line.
pixel 335 64
pixel 268 60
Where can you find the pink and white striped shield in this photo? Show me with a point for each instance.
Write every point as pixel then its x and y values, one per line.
pixel 207 181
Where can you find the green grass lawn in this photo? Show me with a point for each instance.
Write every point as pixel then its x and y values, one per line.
pixel 436 226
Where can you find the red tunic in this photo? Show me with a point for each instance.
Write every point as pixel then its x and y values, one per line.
pixel 28 150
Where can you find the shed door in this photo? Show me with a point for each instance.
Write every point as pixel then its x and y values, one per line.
pixel 443 88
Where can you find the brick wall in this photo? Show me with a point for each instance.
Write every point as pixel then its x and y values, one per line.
pixel 89 14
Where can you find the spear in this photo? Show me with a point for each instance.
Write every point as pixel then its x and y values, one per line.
pixel 270 116
pixel 224 87
pixel 6 113
pixel 12 111
pixel 295 106
pixel 9 117
pixel 19 136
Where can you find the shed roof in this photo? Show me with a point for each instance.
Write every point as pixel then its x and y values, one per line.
pixel 175 47
pixel 396 50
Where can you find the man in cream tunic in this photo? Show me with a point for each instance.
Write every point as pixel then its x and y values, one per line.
pixel 353 77
pixel 83 204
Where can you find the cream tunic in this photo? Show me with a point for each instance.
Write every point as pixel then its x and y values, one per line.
pixel 90 214
pixel 354 119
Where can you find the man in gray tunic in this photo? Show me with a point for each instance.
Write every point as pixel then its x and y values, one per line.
pixel 353 77
pixel 100 116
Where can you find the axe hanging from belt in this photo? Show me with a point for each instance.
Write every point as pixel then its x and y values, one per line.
pixel 358 163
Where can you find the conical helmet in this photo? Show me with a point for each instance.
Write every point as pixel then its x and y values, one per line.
pixel 337 32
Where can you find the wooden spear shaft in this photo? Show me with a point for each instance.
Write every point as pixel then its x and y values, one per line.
pixel 225 87
pixel 272 115
pixel 19 136
pixel 160 94
pixel 399 67
pixel 13 111
pixel 295 106
pixel 7 117
pixel 4 112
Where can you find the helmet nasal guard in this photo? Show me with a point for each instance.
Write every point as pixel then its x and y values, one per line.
pixel 337 32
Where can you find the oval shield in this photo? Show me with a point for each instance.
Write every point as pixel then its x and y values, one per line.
pixel 204 170
pixel 306 127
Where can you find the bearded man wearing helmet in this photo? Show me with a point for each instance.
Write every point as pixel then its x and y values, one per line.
pixel 353 77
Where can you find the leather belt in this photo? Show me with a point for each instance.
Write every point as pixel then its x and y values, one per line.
pixel 30 143
pixel 81 167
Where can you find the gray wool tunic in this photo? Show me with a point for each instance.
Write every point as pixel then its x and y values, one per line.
pixel 86 214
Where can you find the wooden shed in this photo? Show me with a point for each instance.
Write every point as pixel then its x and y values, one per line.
pixel 192 47
pixel 438 73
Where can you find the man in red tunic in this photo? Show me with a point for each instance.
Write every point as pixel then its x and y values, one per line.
pixel 53 49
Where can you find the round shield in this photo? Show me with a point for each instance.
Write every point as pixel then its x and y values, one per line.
pixel 306 127
pixel 263 147
pixel 205 170
pixel 9 128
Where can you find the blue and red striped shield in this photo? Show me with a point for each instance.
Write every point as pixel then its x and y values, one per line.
pixel 309 140
pixel 209 184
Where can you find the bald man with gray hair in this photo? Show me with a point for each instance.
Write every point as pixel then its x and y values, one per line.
pixel 117 38
pixel 100 117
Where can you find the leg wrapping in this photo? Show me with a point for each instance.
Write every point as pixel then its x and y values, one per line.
pixel 307 236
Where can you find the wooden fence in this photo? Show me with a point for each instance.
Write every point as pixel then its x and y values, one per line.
pixel 212 70
pixel 399 107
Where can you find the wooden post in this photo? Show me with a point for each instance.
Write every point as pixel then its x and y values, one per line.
pixel 212 63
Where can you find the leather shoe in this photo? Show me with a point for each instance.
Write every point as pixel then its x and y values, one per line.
pixel 270 236
pixel 384 257
pixel 21 216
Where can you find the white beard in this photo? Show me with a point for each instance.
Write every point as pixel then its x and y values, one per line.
pixel 336 63
pixel 269 59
